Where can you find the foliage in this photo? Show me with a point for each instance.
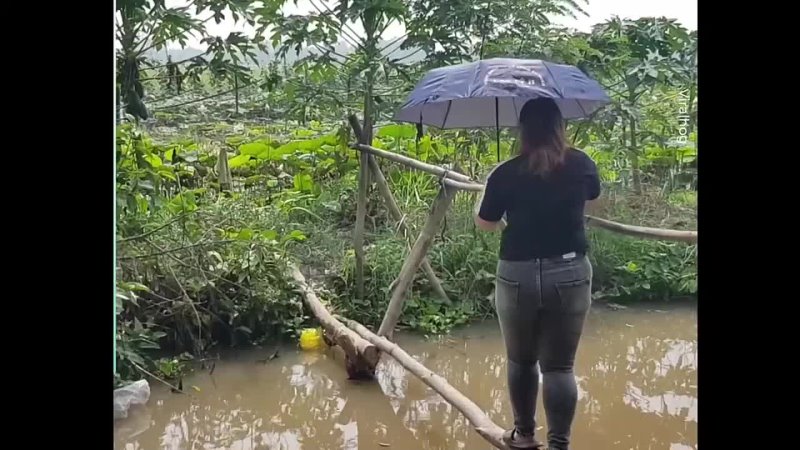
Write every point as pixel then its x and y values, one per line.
pixel 195 267
pixel 202 261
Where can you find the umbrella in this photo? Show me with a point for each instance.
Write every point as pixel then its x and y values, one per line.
pixel 491 92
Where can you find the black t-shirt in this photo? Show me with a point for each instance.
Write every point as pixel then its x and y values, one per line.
pixel 544 215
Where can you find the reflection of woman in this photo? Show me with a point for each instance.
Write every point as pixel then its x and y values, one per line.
pixel 543 283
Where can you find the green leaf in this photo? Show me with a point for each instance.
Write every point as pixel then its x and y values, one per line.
pixel 158 335
pixel 183 202
pixel 303 182
pixel 297 235
pixel 398 131
pixel 238 161
pixel 235 140
pixel 269 235
pixel 134 286
pixel 253 148
pixel 167 173
pixel 276 154
pixel 154 161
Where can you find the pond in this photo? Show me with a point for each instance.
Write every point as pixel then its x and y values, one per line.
pixel 636 371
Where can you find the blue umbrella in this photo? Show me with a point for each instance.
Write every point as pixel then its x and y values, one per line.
pixel 491 93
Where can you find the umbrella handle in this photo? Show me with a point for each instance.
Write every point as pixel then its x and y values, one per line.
pixel 497 125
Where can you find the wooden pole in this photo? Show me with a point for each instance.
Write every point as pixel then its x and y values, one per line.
pixel 414 259
pixel 361 357
pixel 236 91
pixel 224 171
pixel 471 186
pixel 394 210
pixel 413 163
pixel 477 418
pixel 361 204
pixel 643 232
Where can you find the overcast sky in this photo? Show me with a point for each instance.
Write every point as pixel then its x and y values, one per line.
pixel 685 11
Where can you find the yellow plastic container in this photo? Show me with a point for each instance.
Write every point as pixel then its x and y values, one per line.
pixel 311 339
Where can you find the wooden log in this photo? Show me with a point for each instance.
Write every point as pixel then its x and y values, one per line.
pixel 414 258
pixel 477 418
pixel 643 232
pixel 361 357
pixel 412 163
pixel 397 214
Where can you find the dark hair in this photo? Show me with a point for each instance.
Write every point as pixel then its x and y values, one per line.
pixel 542 139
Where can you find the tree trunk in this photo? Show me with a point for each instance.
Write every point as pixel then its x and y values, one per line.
pixel 634 155
pixel 236 92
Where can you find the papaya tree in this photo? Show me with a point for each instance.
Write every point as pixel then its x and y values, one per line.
pixel 459 30
pixel 147 26
pixel 634 58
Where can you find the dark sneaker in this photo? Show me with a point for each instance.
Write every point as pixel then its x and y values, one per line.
pixel 515 439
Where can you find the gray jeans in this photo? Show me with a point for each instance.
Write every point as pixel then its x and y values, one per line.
pixel 542 306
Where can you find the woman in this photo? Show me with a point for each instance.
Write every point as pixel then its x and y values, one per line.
pixel 543 283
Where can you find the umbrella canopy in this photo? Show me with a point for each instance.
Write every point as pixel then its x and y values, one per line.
pixel 491 93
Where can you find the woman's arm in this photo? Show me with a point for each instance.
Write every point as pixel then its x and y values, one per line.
pixel 490 207
pixel 592 187
pixel 486 225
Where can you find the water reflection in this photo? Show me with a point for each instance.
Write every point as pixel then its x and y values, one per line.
pixel 636 374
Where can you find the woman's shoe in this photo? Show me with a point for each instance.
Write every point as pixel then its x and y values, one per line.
pixel 517 440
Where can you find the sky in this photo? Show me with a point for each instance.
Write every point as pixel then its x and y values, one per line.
pixel 685 11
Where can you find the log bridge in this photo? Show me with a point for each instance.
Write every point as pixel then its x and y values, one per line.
pixel 362 347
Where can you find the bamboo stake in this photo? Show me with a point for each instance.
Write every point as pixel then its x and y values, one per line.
pixel 361 214
pixel 414 258
pixel 397 214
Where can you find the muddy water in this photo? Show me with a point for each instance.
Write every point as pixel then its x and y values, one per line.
pixel 636 373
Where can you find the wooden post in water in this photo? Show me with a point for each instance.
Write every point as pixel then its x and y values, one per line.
pixel 414 259
pixel 361 356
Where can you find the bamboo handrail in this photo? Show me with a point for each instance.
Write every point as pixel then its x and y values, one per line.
pixel 463 182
